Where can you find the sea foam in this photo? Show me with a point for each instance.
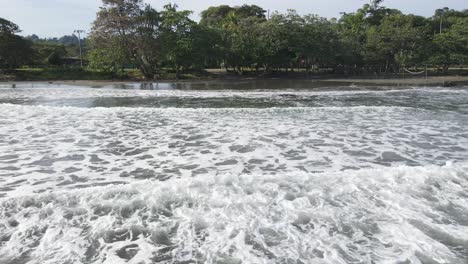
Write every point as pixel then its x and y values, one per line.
pixel 267 176
pixel 416 214
pixel 46 148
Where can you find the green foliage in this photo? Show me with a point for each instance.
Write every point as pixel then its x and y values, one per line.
pixel 8 27
pixel 54 59
pixel 107 60
pixel 69 43
pixel 130 34
pixel 398 40
pixel 14 50
pixel 177 37
pixel 133 28
pixel 46 54
pixel 215 16
pixel 451 47
pixel 222 16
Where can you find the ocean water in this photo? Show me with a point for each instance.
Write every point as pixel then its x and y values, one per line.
pixel 254 172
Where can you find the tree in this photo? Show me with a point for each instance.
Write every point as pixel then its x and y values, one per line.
pixel 48 53
pixel 177 35
pixel 444 18
pixel 246 11
pixel 132 26
pixel 110 58
pixel 236 29
pixel 398 40
pixel 206 43
pixel 129 33
pixel 69 43
pixel 218 16
pixel 8 27
pixel 215 16
pixel 15 51
pixel 451 47
pixel 320 43
pixel 273 47
pixel 243 44
pixel 54 59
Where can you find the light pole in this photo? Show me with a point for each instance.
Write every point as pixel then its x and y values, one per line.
pixel 441 19
pixel 79 44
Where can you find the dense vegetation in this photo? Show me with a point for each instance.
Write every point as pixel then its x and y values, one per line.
pixel 128 34
pixel 16 51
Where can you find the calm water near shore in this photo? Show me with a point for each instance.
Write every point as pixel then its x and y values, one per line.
pixel 233 172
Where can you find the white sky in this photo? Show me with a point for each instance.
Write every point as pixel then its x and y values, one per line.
pixel 55 18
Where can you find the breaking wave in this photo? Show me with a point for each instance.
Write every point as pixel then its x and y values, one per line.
pixel 416 214
pixel 229 177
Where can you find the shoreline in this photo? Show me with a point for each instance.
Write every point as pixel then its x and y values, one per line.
pixel 432 80
pixel 446 81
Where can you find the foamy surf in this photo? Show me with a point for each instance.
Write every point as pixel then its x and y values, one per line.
pixel 267 176
pixel 412 214
pixel 428 98
pixel 46 148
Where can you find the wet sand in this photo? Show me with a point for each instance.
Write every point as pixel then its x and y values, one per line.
pixel 430 81
pixel 436 80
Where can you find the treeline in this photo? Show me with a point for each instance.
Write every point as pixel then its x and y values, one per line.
pixel 374 39
pixel 14 50
pixel 57 51
pixel 32 51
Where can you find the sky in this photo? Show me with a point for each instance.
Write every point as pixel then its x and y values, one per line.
pixel 55 18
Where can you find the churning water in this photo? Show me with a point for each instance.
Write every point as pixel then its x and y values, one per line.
pixel 287 175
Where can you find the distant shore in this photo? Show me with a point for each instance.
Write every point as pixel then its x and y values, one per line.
pixel 84 77
pixel 446 81
pixel 432 81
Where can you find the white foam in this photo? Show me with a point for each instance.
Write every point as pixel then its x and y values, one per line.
pixel 48 148
pixel 406 213
pixel 71 92
pixel 349 182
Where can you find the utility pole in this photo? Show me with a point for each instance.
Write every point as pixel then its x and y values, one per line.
pixel 441 19
pixel 79 44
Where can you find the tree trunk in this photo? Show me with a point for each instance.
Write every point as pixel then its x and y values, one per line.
pixel 177 75
pixel 147 73
pixel 446 68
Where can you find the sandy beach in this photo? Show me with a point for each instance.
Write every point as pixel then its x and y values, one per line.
pixel 430 81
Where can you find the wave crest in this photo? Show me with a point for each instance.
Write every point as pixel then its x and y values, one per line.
pixel 351 216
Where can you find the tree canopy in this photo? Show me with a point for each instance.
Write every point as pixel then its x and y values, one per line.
pixel 14 50
pixel 374 39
